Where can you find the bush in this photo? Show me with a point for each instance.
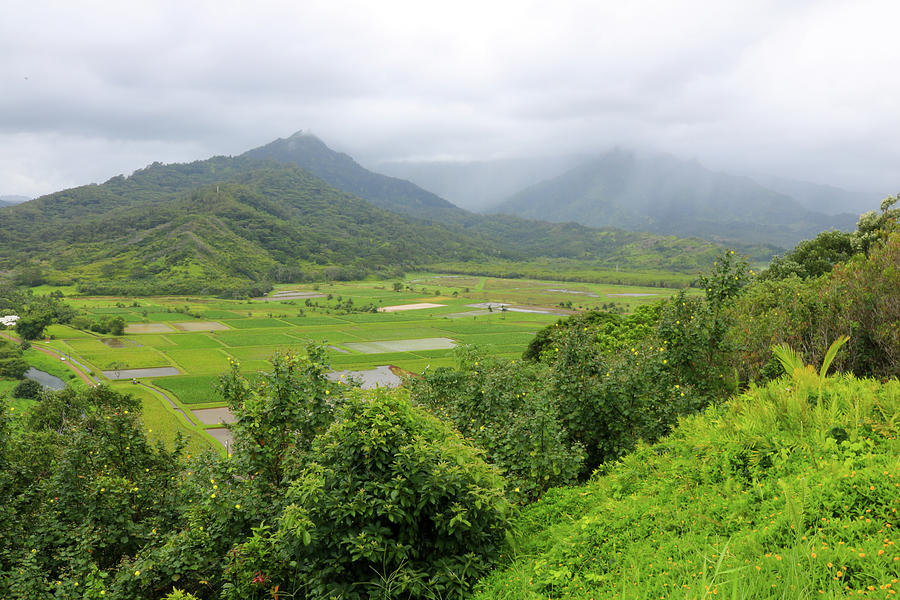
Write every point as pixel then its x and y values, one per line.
pixel 27 388
pixel 865 294
pixel 397 505
pixel 504 408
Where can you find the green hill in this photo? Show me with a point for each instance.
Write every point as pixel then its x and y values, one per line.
pixel 259 225
pixel 786 491
pixel 663 195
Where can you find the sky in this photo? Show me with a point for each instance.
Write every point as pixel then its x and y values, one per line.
pixel 802 89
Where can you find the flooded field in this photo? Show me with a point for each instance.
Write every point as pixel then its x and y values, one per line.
pixel 213 416
pixel 148 328
pixel 200 326
pixel 222 435
pixel 45 379
pixel 385 346
pixel 370 378
pixel 402 307
pixel 137 373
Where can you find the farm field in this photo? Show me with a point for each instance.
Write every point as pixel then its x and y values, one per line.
pixel 199 337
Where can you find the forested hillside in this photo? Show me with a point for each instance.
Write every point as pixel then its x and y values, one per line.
pixel 268 224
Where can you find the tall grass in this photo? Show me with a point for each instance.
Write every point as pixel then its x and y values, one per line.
pixel 788 491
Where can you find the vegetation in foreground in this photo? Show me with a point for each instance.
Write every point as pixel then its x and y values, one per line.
pixel 787 491
pixel 333 493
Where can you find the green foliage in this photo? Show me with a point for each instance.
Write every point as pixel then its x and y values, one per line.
pixel 396 505
pixel 816 257
pixel 27 388
pixel 812 258
pixel 772 312
pixel 786 491
pixel 503 408
pixel 609 403
pixel 611 332
pixel 859 299
pixel 81 487
pixel 31 326
pixel 278 414
pixel 730 273
pixel 873 227
pixel 864 299
pixel 11 362
pixel 256 221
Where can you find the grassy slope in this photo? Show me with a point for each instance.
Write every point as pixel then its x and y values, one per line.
pixel 754 499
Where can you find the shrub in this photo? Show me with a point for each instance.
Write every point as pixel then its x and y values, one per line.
pixel 27 388
pixel 396 505
pixel 278 414
pixel 504 409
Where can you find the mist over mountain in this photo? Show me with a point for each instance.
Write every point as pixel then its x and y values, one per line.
pixel 9 200
pixel 478 185
pixel 820 197
pixel 664 195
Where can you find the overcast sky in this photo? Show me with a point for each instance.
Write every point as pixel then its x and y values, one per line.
pixel 794 88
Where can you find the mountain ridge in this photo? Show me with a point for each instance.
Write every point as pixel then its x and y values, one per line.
pixel 667 196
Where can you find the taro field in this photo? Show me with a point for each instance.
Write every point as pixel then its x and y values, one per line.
pixel 174 348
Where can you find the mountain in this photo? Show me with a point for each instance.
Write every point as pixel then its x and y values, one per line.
pixel 477 185
pixel 516 236
pixel 12 199
pixel 230 225
pixel 821 198
pixel 341 171
pixel 217 225
pixel 667 196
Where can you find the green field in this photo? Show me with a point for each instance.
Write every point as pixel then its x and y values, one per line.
pixel 192 389
pixel 259 328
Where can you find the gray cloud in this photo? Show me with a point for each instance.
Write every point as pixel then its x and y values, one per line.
pixel 803 89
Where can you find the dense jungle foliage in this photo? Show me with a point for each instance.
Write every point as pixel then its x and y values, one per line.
pixel 689 487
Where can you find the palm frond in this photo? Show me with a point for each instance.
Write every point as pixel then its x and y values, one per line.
pixel 790 359
pixel 831 353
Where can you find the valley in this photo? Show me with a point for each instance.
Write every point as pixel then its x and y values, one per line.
pixel 177 347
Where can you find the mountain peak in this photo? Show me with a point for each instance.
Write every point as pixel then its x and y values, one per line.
pixel 308 152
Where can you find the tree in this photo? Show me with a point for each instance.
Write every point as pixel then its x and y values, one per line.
pixel 117 326
pixel 504 408
pixel 812 258
pixel 396 505
pixel 278 414
pixel 12 364
pixel 31 326
pixel 27 388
